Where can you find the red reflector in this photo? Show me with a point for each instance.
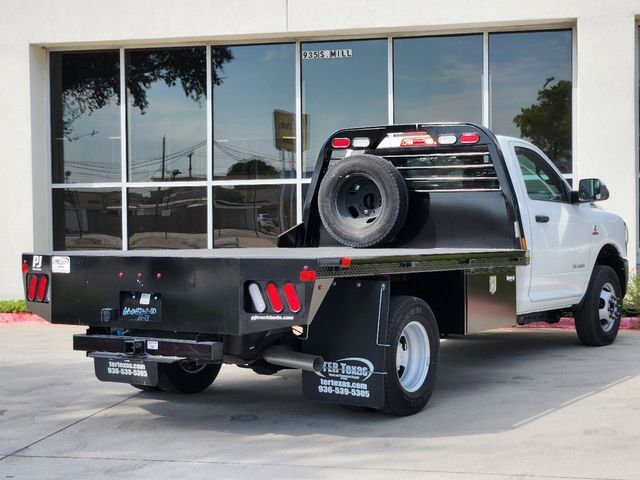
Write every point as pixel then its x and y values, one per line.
pixel 308 276
pixel 340 142
pixel 25 267
pixel 33 284
pixel 469 138
pixel 292 297
pixel 41 293
pixel 274 297
pixel 345 262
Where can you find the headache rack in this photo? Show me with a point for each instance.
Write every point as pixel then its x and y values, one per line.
pixel 447 171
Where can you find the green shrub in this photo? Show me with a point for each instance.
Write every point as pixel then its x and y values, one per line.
pixel 632 299
pixel 13 306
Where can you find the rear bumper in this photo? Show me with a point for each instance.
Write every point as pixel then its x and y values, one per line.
pixel 164 347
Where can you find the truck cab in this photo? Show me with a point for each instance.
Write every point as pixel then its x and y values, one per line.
pixel 566 235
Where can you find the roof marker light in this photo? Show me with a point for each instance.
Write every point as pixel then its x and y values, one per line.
pixel 472 137
pixel 361 142
pixel 340 142
pixel 447 139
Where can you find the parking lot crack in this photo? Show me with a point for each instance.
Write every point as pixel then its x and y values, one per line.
pixel 70 425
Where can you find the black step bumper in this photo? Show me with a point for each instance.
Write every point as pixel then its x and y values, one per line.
pixel 169 347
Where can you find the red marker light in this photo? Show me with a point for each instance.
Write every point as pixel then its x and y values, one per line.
pixel 340 142
pixel 139 276
pixel 469 137
pixel 158 276
pixel 345 262
pixel 307 275
pixel 121 275
pixel 25 267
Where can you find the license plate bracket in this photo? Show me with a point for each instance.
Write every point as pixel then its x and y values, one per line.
pixel 140 307
pixel 126 370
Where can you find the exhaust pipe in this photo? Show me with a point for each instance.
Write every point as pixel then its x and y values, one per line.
pixel 289 358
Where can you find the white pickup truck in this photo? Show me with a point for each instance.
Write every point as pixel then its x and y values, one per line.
pixel 409 232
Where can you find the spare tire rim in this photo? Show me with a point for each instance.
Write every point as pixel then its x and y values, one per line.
pixel 413 354
pixel 608 308
pixel 359 201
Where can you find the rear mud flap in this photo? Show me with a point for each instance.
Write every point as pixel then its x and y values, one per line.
pixel 349 332
pixel 119 368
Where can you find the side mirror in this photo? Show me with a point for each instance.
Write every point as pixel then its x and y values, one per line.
pixel 592 190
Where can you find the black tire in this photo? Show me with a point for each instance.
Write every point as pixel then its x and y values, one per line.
pixel 604 292
pixel 363 201
pixel 402 396
pixel 186 377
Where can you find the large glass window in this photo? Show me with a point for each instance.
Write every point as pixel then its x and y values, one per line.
pixel 344 84
pixel 252 216
pixel 249 179
pixel 166 114
pixel 85 117
pixel 167 218
pixel 438 79
pixel 531 90
pixel 87 219
pixel 254 134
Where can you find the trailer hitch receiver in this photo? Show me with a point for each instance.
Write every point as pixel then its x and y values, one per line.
pixel 133 347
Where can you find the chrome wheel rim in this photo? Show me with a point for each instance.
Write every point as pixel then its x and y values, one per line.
pixel 413 353
pixel 608 308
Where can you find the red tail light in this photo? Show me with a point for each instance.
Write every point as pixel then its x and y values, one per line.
pixel 469 137
pixel 274 297
pixel 25 267
pixel 340 142
pixel 292 297
pixel 41 292
pixel 33 284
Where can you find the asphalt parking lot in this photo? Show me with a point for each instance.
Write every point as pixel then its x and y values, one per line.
pixel 509 405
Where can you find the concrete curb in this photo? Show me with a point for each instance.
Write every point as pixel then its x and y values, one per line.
pixel 627 323
pixel 23 318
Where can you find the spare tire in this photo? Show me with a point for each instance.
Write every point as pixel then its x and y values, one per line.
pixel 363 201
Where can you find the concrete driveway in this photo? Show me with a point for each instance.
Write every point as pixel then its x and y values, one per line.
pixel 509 405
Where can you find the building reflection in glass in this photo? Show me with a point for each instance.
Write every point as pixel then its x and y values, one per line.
pixel 168 218
pixel 252 216
pixel 87 219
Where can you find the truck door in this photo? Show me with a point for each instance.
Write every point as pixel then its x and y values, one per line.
pixel 558 232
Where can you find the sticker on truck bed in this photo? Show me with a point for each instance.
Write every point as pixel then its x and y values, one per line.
pixel 61 264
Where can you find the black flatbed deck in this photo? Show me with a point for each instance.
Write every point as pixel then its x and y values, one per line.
pixel 326 259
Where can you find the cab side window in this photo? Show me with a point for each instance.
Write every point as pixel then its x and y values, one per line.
pixel 541 181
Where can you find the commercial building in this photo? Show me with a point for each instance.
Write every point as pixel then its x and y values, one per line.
pixel 135 125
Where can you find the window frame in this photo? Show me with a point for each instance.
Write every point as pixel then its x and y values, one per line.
pixel 299 180
pixel 553 171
